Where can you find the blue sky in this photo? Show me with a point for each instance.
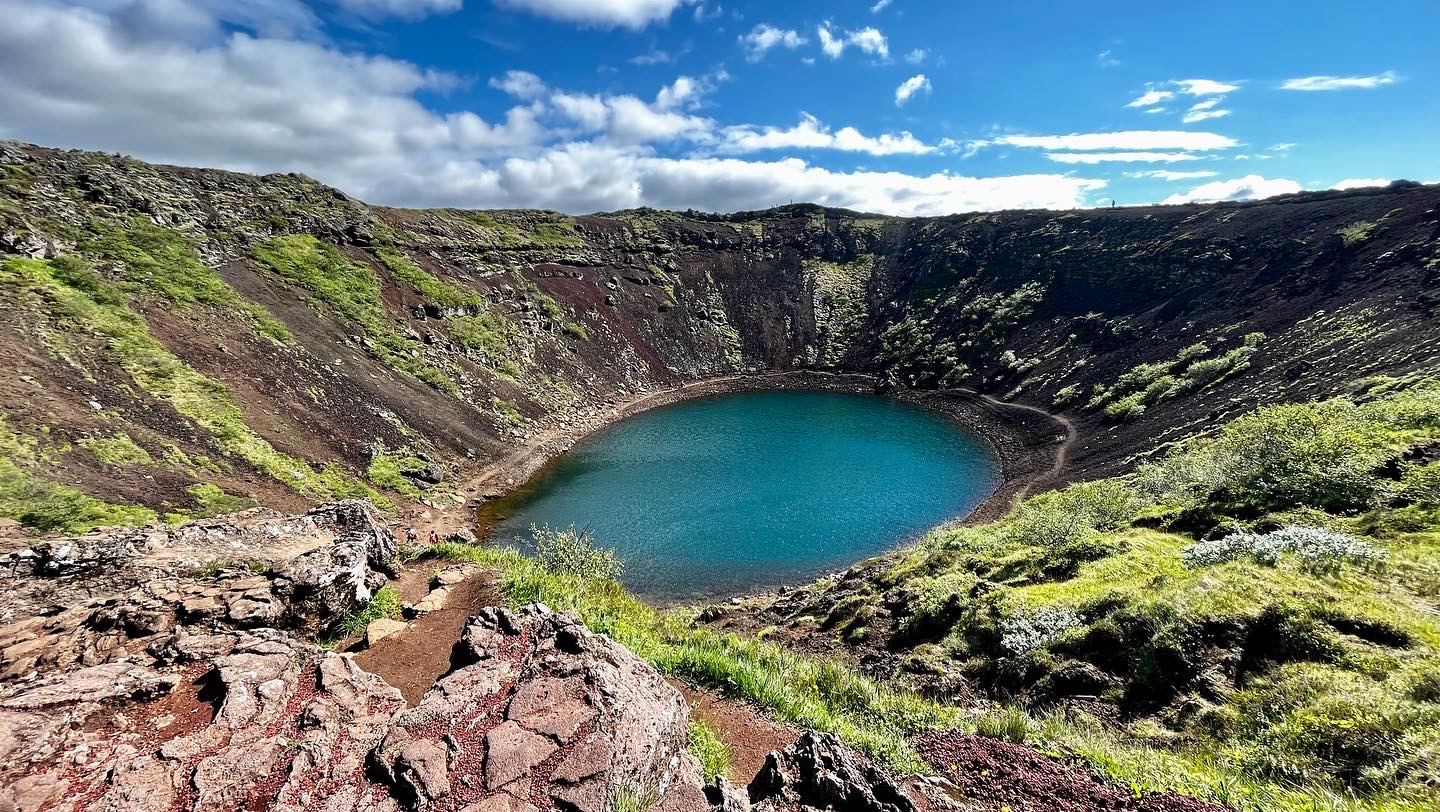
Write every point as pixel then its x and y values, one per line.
pixel 904 107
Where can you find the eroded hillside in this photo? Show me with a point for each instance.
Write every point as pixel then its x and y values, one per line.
pixel 185 342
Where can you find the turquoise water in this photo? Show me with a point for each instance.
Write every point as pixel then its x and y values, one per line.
pixel 727 494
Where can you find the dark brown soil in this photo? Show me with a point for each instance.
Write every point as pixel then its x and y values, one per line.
pixel 413 659
pixel 749 733
pixel 997 775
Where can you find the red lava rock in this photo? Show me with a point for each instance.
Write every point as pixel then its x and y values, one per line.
pixel 996 775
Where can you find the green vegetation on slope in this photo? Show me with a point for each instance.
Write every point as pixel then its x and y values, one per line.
pixel 35 501
pixel 163 263
pixel 351 291
pixel 1262 605
pixel 75 296
pixel 1196 369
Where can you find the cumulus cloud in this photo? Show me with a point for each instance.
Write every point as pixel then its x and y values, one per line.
pixel 603 13
pixel 880 5
pixel 1360 183
pixel 811 134
pixel 909 87
pixel 917 56
pixel 869 40
pixel 764 37
pixel 404 9
pixel 76 78
pixel 1250 187
pixel 1323 83
pixel 520 84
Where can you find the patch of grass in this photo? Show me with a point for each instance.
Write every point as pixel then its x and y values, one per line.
pixel 385 603
pixel 163 263
pixel 117 449
pixel 79 299
pixel 351 291
pixel 388 471
pixel 1007 723
pixel 507 410
pixel 485 336
pixel 211 500
pixel 705 745
pixel 425 283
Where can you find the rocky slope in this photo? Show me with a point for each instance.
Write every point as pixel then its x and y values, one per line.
pixel 186 341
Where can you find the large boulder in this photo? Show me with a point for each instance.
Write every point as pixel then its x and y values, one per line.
pixel 542 712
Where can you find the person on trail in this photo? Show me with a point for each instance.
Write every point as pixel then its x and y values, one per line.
pixel 434 537
pixel 410 535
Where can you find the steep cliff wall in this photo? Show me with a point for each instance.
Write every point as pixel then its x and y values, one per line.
pixel 185 341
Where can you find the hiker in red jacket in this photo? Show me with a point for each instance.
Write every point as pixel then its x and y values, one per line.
pixel 434 537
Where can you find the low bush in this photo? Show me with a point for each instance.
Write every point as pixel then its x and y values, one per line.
pixel 1318 549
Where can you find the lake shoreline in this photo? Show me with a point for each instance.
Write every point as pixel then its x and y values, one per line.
pixel 1028 443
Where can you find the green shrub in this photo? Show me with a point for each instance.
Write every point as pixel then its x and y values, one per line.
pixel 572 553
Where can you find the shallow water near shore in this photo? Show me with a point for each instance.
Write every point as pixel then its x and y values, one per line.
pixel 733 493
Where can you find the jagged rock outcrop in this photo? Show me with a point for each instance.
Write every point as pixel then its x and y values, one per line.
pixel 298 572
pixel 819 772
pixel 541 713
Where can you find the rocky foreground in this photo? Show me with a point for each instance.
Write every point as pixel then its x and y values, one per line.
pixel 201 691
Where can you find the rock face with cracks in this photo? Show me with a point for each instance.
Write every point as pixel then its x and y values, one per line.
pixel 538 713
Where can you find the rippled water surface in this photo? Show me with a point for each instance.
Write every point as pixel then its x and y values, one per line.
pixel 727 494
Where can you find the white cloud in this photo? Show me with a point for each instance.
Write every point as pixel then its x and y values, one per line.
pixel 868 39
pixel 915 84
pixel 1152 97
pixel 1204 111
pixel 1205 87
pixel 1107 59
pixel 76 78
pixel 917 56
pixel 404 9
pixel 811 134
pixel 764 37
pixel 880 5
pixel 520 84
pixel 1250 187
pixel 1113 157
pixel 1360 183
pixel 1124 140
pixel 603 13
pixel 1283 147
pixel 1322 83
pixel 1171 175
